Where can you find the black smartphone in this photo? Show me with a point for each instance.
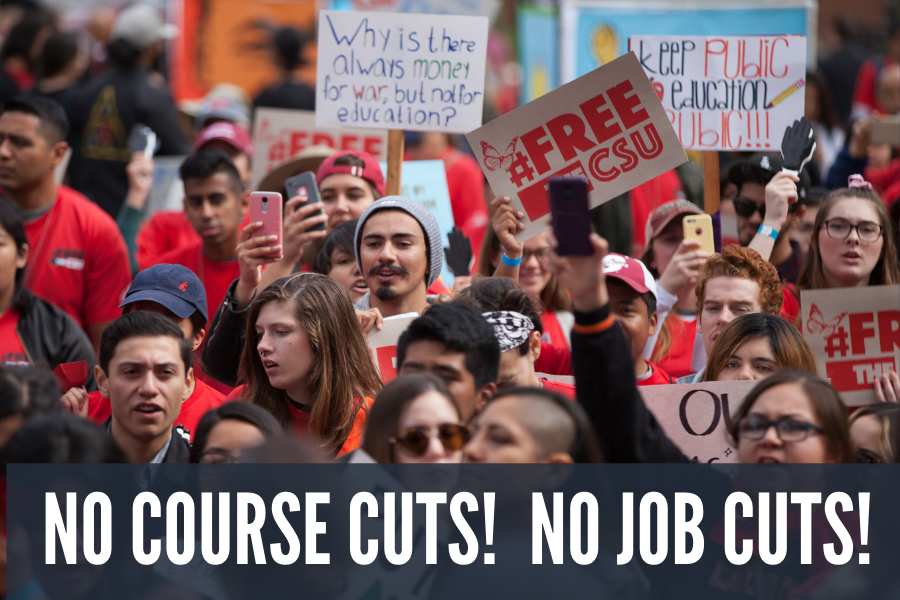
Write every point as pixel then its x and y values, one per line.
pixel 571 216
pixel 293 185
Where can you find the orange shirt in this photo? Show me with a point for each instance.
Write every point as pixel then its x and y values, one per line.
pixel 12 352
pixel 78 259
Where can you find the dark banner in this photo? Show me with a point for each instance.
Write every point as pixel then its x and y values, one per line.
pixel 370 532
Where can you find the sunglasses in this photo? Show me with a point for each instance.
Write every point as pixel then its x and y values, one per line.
pixel 453 436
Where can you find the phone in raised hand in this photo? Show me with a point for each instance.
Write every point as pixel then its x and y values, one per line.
pixel 700 228
pixel 571 216
pixel 265 207
pixel 305 182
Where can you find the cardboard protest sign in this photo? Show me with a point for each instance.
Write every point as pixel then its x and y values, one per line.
pixel 607 127
pixel 383 345
pixel 735 93
pixel 886 130
pixel 696 417
pixel 425 181
pixel 400 71
pixel 279 134
pixel 854 333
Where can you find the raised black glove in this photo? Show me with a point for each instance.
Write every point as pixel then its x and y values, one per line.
pixel 459 254
pixel 798 146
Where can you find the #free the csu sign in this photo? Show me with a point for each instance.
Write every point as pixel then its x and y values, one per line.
pixel 607 126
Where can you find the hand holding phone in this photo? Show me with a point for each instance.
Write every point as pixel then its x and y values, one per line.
pixel 265 208
pixel 700 228
pixel 301 185
pixel 571 216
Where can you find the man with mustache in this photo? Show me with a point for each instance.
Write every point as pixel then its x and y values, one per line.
pixel 399 252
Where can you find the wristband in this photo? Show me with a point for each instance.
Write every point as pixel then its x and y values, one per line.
pixel 510 262
pixel 766 230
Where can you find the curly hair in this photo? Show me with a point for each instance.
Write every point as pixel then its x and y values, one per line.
pixel 737 261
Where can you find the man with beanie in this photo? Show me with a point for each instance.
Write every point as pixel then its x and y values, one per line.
pixel 399 253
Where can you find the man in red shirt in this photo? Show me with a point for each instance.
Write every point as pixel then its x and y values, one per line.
pixel 169 230
pixel 632 299
pixel 215 203
pixel 78 260
pixel 175 292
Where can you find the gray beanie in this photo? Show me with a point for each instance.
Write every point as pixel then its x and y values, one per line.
pixel 426 220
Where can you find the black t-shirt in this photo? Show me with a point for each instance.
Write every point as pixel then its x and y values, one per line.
pixel 102 117
pixel 287 94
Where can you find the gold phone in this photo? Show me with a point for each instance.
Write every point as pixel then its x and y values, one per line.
pixel 699 227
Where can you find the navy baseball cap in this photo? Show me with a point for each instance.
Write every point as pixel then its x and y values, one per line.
pixel 174 286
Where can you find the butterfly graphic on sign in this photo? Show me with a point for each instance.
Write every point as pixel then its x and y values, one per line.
pixel 493 160
pixel 816 322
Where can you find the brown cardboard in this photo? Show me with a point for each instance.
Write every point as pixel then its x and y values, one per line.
pixel 696 416
pixel 383 345
pixel 854 333
pixel 886 130
pixel 607 126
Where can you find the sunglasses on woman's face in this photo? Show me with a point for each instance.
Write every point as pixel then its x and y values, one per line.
pixel 453 436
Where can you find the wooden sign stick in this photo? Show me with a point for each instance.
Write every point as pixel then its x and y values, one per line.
pixel 711 199
pixel 394 162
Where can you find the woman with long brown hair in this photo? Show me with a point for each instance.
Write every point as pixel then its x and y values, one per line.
pixel 306 360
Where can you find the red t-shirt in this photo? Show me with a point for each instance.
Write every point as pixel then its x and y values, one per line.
pixel 438 288
pixel 677 361
pixel 658 377
pixel 553 360
pixel 566 389
pixel 553 332
pixel 790 304
pixel 203 399
pixel 78 259
pixel 165 231
pixel 12 352
pixel 465 185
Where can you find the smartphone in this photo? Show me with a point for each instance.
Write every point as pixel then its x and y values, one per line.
pixel 293 185
pixel 700 227
pixel 265 207
pixel 571 216
pixel 142 139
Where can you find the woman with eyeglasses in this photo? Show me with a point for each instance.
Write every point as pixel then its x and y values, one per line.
pixel 755 346
pixel 224 433
pixel 415 420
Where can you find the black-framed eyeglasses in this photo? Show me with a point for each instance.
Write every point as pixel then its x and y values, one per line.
pixel 541 254
pixel 866 456
pixel 216 457
pixel 745 208
pixel 754 427
pixel 866 231
pixel 453 436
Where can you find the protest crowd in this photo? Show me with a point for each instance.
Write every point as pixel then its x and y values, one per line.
pixel 195 333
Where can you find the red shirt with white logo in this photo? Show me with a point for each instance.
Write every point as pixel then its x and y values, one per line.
pixel 203 399
pixel 78 259
pixel 12 352
pixel 166 231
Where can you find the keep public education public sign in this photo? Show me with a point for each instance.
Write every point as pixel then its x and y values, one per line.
pixel 696 417
pixel 279 134
pixel 734 93
pixel 400 71
pixel 607 126
pixel 854 333
pixel 383 345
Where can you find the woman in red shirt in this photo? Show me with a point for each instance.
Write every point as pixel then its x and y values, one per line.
pixel 306 361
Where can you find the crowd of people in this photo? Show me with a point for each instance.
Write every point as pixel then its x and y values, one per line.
pixel 204 339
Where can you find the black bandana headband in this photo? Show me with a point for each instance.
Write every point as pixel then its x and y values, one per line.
pixel 511 328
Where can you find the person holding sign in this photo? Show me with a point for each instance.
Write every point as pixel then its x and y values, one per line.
pixel 755 346
pixel 295 328
pixel 415 420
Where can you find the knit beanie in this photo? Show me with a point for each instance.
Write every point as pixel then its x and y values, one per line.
pixel 426 220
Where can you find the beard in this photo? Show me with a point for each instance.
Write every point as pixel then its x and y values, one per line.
pixel 385 292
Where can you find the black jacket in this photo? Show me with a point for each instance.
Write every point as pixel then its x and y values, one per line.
pixel 225 341
pixel 179 451
pixel 51 337
pixel 102 117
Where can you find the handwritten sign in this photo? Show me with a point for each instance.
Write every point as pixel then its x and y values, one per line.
pixel 608 127
pixel 854 333
pixel 279 134
pixel 696 417
pixel 733 93
pixel 400 71
pixel 383 345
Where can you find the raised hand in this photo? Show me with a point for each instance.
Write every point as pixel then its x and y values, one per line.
pixel 251 253
pixel 505 222
pixel 459 254
pixel 797 145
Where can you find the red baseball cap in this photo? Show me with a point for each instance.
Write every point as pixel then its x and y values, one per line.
pixel 232 134
pixel 370 171
pixel 664 214
pixel 631 271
